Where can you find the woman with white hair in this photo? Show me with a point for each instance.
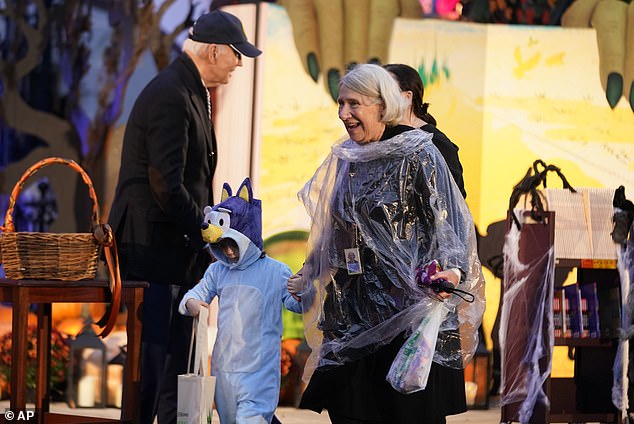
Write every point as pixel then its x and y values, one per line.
pixel 386 194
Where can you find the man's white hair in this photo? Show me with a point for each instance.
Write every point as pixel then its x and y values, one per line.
pixel 195 47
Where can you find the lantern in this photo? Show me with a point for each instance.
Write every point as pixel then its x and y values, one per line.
pixel 114 373
pixel 478 376
pixel 86 370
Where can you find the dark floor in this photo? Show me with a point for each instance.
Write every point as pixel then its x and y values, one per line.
pixel 287 415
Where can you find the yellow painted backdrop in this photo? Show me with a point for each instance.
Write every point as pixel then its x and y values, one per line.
pixel 507 95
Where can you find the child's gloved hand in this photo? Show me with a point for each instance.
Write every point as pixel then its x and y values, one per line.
pixel 295 285
pixel 194 305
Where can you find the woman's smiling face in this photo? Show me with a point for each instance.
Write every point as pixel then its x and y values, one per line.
pixel 361 115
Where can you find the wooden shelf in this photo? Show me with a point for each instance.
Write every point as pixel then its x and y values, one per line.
pixel 565 409
pixel 586 263
pixel 584 342
pixel 582 417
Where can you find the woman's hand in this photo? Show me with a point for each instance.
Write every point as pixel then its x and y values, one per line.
pixel 194 305
pixel 449 275
pixel 295 285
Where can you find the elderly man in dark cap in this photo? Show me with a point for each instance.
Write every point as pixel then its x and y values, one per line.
pixel 167 164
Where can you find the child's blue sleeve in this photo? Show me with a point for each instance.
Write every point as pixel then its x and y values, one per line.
pixel 289 302
pixel 205 290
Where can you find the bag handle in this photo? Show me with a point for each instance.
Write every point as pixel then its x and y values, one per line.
pixel 199 333
pixel 529 186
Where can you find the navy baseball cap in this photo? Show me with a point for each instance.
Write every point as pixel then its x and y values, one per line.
pixel 220 27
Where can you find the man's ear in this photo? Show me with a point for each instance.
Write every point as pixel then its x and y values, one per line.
pixel 212 52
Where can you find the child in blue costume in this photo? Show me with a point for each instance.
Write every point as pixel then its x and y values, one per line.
pixel 251 288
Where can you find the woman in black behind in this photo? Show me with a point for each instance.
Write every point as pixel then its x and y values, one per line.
pixel 417 116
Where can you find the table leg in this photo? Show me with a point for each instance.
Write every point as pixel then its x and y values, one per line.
pixel 42 399
pixel 19 328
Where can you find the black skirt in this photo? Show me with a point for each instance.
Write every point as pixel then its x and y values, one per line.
pixel 358 390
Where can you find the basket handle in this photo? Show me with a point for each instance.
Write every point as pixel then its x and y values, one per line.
pixel 104 235
pixel 9 226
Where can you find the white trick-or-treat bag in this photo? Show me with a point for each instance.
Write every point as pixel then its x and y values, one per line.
pixel 196 390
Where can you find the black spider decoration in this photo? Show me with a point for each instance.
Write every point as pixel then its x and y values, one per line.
pixel 529 185
pixel 623 216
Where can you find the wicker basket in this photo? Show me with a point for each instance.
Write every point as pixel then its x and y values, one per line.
pixel 49 256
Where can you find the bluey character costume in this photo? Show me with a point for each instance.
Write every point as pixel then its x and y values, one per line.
pixel 251 291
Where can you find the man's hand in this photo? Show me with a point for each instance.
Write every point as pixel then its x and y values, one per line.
pixel 330 35
pixel 613 21
pixel 194 305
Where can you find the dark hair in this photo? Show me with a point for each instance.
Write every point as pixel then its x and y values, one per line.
pixel 409 80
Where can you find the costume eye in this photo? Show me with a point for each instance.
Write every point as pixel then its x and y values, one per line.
pixel 223 219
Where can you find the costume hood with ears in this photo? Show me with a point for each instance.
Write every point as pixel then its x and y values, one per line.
pixel 234 214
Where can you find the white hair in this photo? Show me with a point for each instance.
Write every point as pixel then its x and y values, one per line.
pixel 196 48
pixel 377 83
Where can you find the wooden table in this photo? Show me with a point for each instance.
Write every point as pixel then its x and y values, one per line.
pixel 22 293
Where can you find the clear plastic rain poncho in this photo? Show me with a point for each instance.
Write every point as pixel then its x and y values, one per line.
pixel 526 320
pixel 621 368
pixel 396 204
